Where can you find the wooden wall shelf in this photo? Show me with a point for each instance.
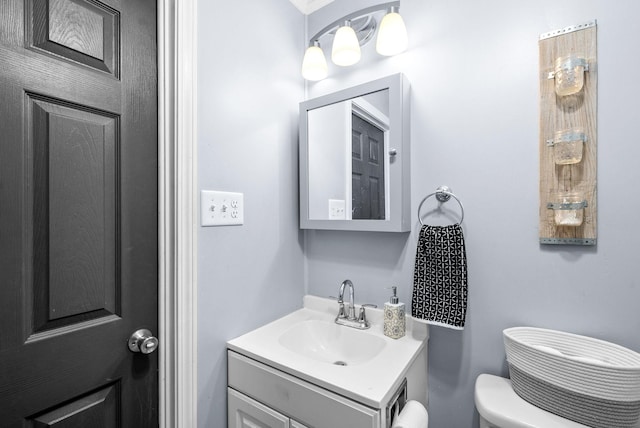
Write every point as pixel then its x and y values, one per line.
pixel 572 113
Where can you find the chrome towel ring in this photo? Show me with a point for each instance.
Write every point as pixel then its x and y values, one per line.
pixel 442 194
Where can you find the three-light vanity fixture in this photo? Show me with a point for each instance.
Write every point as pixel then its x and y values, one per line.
pixel 352 31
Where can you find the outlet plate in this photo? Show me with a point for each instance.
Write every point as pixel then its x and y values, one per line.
pixel 337 209
pixel 221 208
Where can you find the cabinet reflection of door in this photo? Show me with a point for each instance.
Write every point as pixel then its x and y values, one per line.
pixel 367 170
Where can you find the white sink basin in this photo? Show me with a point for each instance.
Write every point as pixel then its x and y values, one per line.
pixel 364 365
pixel 328 342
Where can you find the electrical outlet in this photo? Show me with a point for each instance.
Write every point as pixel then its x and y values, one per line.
pixel 337 209
pixel 221 208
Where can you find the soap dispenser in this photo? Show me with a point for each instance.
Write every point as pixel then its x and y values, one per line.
pixel 394 320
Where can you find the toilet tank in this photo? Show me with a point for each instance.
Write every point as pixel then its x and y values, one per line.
pixel 500 407
pixel 485 424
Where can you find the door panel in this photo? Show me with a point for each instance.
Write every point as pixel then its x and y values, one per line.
pixel 79 30
pixel 75 218
pixel 100 408
pixel 367 166
pixel 78 212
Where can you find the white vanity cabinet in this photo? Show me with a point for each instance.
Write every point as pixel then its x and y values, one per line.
pixel 305 371
pixel 247 413
pixel 244 412
pixel 261 396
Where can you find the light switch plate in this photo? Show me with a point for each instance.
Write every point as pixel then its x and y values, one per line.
pixel 221 208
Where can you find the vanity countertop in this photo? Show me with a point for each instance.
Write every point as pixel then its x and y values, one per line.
pixel 370 382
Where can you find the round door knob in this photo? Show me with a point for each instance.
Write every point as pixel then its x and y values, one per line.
pixel 143 341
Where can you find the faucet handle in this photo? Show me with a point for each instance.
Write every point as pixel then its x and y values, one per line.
pixel 341 312
pixel 362 318
pixel 335 298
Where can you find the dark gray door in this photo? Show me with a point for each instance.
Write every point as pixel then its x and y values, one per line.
pixel 367 170
pixel 78 212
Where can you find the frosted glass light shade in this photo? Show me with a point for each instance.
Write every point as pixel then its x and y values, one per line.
pixel 346 48
pixel 314 64
pixel 392 35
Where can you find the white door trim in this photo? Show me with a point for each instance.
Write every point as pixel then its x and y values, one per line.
pixel 177 200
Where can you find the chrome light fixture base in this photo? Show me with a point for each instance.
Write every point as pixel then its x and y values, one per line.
pixel 365 24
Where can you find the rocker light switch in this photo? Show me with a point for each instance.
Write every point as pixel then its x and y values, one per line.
pixel 221 208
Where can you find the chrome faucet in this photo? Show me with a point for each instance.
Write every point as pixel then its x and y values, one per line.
pixel 352 310
pixel 349 317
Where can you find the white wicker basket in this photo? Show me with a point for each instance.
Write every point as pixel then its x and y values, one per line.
pixel 587 380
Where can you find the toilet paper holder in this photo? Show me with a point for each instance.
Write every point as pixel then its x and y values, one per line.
pixel 396 404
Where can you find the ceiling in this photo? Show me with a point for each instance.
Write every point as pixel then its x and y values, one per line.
pixel 309 6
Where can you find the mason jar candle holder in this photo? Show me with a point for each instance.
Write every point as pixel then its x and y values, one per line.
pixel 569 74
pixel 568 146
pixel 568 208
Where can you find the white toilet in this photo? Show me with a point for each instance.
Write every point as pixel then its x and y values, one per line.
pixel 500 407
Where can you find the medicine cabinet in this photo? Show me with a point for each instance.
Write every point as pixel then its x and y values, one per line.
pixel 354 158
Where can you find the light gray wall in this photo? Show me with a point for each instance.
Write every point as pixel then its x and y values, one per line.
pixel 249 87
pixel 473 67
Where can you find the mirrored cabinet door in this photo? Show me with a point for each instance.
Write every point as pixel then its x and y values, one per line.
pixel 354 158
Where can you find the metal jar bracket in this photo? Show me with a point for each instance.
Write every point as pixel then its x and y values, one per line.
pixel 567 205
pixel 567 138
pixel 575 62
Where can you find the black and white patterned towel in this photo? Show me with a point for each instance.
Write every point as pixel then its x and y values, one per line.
pixel 440 277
